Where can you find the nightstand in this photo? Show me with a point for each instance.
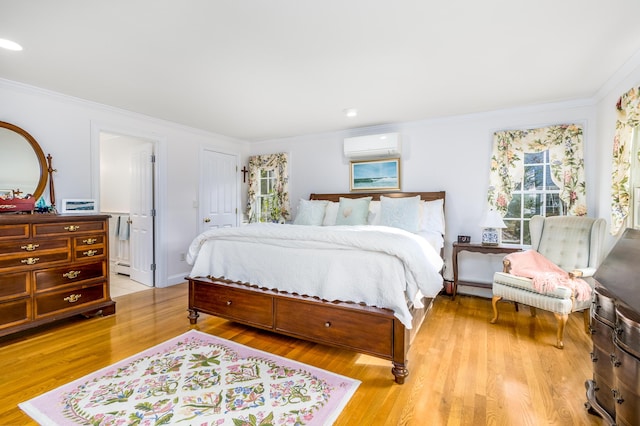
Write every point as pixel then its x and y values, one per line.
pixel 478 248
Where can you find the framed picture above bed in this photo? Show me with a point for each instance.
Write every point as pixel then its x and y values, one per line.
pixel 376 175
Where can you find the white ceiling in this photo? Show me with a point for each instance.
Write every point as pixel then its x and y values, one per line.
pixel 263 69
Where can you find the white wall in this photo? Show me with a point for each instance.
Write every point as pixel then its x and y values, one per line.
pixel 450 154
pixel 65 126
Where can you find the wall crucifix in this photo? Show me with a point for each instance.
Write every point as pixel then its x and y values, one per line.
pixel 244 173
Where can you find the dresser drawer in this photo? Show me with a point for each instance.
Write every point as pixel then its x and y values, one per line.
pixel 235 304
pixel 88 240
pixel 14 285
pixel 15 312
pixel 89 252
pixel 52 302
pixel 335 325
pixel 18 231
pixel 627 330
pixel 66 228
pixel 31 259
pixel 602 335
pixel 70 274
pixel 603 306
pixel 33 247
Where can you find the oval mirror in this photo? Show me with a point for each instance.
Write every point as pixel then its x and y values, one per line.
pixel 23 167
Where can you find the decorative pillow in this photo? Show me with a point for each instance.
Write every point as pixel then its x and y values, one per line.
pixel 330 214
pixel 374 213
pixel 353 211
pixel 403 213
pixel 432 216
pixel 310 212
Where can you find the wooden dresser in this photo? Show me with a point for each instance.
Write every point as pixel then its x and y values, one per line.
pixel 52 267
pixel 614 390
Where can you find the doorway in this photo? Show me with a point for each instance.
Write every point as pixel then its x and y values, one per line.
pixel 127 194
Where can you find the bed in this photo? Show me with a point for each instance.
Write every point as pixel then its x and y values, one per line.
pixel 363 288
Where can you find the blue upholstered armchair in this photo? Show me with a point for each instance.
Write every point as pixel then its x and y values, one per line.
pixel 575 244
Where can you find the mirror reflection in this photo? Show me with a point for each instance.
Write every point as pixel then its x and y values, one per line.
pixel 20 168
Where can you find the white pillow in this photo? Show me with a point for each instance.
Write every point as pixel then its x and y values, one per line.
pixel 310 212
pixel 403 213
pixel 374 213
pixel 353 211
pixel 330 214
pixel 432 216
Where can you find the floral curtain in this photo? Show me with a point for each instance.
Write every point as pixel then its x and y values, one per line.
pixel 279 164
pixel 564 143
pixel 628 108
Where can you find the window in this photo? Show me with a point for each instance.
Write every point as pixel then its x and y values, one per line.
pixel 268 199
pixel 536 172
pixel 535 194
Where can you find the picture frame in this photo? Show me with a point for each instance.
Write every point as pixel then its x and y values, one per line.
pixel 79 205
pixel 376 175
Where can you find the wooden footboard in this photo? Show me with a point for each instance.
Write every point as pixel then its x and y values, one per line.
pixel 360 328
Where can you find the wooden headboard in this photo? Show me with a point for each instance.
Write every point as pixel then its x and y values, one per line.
pixel 425 196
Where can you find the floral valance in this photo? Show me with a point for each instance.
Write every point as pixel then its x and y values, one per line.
pixel 564 143
pixel 279 164
pixel 628 108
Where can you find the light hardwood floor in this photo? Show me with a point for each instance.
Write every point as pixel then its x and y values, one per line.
pixel 463 370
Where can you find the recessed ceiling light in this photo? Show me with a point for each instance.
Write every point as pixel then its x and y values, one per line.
pixel 9 45
pixel 350 112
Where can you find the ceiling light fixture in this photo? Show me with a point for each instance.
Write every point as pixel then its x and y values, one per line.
pixel 10 45
pixel 350 112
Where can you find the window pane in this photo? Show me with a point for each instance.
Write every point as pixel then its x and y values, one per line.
pixel 533 177
pixel 513 209
pixel 511 234
pixel 264 186
pixel 550 184
pixel 526 236
pixel 534 157
pixel 555 206
pixel 532 204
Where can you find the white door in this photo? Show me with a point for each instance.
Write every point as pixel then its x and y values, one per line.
pixel 218 194
pixel 142 215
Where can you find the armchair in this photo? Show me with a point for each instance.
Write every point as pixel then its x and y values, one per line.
pixel 575 244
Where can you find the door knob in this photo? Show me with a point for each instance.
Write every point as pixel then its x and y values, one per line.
pixel 207 220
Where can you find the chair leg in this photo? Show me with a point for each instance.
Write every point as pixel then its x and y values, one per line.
pixel 562 321
pixel 532 311
pixel 494 303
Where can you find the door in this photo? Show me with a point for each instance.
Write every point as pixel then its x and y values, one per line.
pixel 218 194
pixel 142 214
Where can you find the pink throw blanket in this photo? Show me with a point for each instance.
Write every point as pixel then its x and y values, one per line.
pixel 546 275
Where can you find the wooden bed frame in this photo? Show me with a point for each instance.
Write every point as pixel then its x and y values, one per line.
pixel 358 327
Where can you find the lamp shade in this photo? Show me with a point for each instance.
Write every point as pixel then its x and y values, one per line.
pixel 493 219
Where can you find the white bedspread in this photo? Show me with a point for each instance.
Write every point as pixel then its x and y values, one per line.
pixel 376 265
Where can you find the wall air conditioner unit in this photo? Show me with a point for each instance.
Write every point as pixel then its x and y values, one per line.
pixel 372 146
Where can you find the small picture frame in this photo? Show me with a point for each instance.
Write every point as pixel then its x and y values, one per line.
pixel 466 239
pixel 79 206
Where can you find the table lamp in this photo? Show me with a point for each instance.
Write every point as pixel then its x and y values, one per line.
pixel 491 228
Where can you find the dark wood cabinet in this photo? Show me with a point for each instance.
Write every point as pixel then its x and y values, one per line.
pixel 52 267
pixel 614 390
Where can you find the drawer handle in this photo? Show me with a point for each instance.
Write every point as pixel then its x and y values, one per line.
pixel 31 260
pixel 594 357
pixel 90 241
pixel 327 324
pixel 228 302
pixel 616 362
pixel 616 395
pixel 90 252
pixel 72 298
pixel 72 228
pixel 71 274
pixel 30 247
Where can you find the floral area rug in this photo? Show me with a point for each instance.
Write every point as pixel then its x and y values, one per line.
pixel 197 379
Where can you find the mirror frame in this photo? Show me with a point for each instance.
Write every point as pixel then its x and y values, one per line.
pixel 42 183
